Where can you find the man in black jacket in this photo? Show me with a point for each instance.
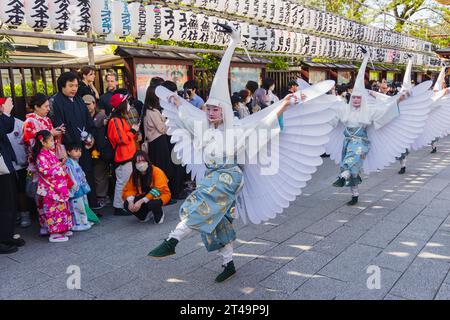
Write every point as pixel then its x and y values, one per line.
pixel 69 109
pixel 8 189
pixel 111 86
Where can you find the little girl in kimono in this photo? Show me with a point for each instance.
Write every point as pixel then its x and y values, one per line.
pixel 53 187
pixel 79 205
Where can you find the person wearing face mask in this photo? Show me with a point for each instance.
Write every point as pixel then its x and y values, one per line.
pixel 146 191
pixel 122 138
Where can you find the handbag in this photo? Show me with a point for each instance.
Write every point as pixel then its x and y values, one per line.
pixel 3 167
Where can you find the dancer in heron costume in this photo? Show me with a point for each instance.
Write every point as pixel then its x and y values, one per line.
pixel 294 130
pixel 370 133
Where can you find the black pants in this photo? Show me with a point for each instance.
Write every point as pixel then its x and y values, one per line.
pixel 8 206
pixel 153 205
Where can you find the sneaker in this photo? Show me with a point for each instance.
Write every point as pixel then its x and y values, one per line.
pixel 68 233
pixel 25 220
pixel 227 273
pixel 81 227
pixel 19 242
pixel 340 182
pixel 402 170
pixel 434 150
pixel 98 206
pixel 7 249
pixel 165 249
pixel 353 201
pixel 56 237
pixel 43 232
pixel 121 212
pixel 160 220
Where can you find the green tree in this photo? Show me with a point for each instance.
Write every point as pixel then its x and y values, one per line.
pixel 6 46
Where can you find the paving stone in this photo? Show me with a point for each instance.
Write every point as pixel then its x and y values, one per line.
pixel 421 280
pixel 444 292
pixel 318 288
pixel 349 262
pixel 382 233
pixel 399 254
pixel 405 212
pixel 339 240
pixel 296 272
pixel 423 227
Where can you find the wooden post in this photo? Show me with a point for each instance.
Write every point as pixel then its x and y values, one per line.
pixel 90 46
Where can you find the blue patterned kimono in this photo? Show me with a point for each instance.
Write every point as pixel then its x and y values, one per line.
pixel 78 196
pixel 354 152
pixel 210 207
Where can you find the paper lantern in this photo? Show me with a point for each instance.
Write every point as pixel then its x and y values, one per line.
pixel 204 28
pixel 167 23
pixel 59 15
pixel 181 25
pixel 262 10
pixel 279 12
pixel 121 19
pixel 101 17
pixel 295 15
pixel 138 17
pixel 263 37
pixel 233 6
pixel 37 14
pixel 153 14
pixel 300 17
pixel 287 13
pixel 12 12
pixel 253 8
pixel 293 42
pixel 245 34
pixel 192 27
pixel 305 44
pixel 312 22
pixel 270 15
pixel 80 16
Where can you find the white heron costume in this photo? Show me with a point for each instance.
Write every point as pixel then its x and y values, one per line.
pixel 367 143
pixel 262 170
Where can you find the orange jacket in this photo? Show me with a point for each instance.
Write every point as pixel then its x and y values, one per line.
pixel 160 182
pixel 122 140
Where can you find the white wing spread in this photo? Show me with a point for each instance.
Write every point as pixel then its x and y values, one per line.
pixel 438 122
pixel 300 145
pixel 181 137
pixel 391 140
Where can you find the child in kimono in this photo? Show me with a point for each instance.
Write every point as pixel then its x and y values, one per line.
pixel 53 187
pixel 78 193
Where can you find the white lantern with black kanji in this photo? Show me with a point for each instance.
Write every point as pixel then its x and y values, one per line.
pixel 167 23
pixel 312 22
pixel 37 14
pixel 287 13
pixel 301 22
pixel 262 41
pixel 12 12
pixel 233 6
pixel 101 17
pixel 270 39
pixel 59 15
pixel 298 43
pixel 262 9
pixel 80 16
pixel 305 44
pixel 279 13
pixel 270 15
pixel 181 25
pixel 211 4
pixel 121 22
pixel 294 15
pixel 138 18
pixel 245 34
pixel 222 5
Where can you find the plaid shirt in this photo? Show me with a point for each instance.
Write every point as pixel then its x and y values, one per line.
pixel 132 116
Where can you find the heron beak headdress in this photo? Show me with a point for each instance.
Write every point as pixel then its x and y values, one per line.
pixel 440 79
pixel 359 88
pixel 220 91
pixel 407 85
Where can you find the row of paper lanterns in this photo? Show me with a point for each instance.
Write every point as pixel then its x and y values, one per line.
pixel 295 15
pixel 150 22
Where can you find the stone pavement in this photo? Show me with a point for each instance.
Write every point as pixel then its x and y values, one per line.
pixel 319 248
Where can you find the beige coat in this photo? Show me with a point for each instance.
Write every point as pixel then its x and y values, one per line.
pixel 154 125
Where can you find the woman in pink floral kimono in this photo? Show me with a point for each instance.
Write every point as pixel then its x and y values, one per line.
pixel 53 187
pixel 35 122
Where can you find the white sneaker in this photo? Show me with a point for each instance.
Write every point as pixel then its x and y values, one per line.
pixel 68 233
pixel 57 237
pixel 160 220
pixel 25 220
pixel 81 227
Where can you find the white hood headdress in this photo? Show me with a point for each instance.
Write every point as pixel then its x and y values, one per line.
pixel 440 79
pixel 407 85
pixel 220 92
